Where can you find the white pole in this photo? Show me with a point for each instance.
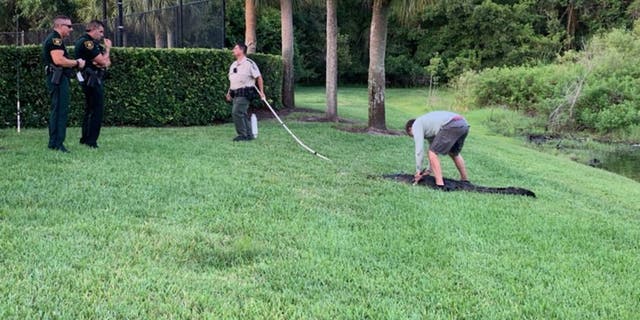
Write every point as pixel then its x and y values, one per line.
pixel 18 38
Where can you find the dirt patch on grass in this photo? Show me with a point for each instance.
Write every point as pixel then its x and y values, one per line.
pixel 372 131
pixel 323 119
pixel 265 113
pixel 312 115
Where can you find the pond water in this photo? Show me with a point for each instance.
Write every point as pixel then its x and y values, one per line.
pixel 619 158
pixel 623 163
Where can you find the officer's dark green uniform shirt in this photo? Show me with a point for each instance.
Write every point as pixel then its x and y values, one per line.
pixel 93 88
pixel 52 42
pixel 87 48
pixel 59 93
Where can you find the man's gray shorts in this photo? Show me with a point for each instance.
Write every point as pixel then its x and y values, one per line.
pixel 450 138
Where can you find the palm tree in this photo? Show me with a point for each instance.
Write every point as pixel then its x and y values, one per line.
pixel 154 18
pixel 250 22
pixel 331 80
pixel 286 21
pixel 92 9
pixel 377 52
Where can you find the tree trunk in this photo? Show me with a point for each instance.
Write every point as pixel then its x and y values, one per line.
pixel 159 39
pixel 377 50
pixel 250 21
pixel 331 83
pixel 572 21
pixel 170 38
pixel 286 20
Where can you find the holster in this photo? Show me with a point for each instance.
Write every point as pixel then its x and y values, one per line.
pixel 56 74
pixel 93 78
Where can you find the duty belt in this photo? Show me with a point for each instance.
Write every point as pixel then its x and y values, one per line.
pixel 247 92
pixel 52 68
pixel 93 77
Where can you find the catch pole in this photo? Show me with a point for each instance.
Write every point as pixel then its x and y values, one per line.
pixel 289 130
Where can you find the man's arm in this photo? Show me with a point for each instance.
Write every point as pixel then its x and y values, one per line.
pixel 58 58
pixel 419 152
pixel 418 139
pixel 103 60
pixel 261 86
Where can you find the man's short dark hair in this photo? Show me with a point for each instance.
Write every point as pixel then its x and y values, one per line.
pixel 408 126
pixel 242 47
pixel 94 24
pixel 57 19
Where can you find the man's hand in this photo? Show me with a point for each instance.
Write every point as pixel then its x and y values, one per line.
pixel 107 43
pixel 262 95
pixel 228 96
pixel 417 177
pixel 81 63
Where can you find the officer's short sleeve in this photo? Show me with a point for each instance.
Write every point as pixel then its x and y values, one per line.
pixel 255 72
pixel 86 49
pixel 54 44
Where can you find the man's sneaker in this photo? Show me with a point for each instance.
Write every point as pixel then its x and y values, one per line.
pixel 239 138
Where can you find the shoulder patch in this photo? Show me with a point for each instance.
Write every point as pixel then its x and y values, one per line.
pixel 89 45
pixel 57 41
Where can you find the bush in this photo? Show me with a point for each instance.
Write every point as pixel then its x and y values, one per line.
pixel 145 87
pixel 609 100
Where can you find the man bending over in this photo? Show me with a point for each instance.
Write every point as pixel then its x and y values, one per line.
pixel 446 132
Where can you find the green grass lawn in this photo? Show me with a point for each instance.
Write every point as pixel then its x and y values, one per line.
pixel 183 223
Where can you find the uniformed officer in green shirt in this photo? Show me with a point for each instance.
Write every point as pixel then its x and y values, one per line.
pixel 243 75
pixel 58 68
pixel 89 48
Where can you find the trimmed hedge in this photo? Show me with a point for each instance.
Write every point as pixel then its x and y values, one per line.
pixel 145 87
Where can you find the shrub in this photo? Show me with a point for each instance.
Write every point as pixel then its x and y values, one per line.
pixel 145 87
pixel 608 101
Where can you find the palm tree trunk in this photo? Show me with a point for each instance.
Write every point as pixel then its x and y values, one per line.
pixel 170 38
pixel 286 19
pixel 250 22
pixel 377 50
pixel 159 37
pixel 332 61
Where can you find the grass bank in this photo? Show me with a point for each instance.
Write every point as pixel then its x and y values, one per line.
pixel 183 223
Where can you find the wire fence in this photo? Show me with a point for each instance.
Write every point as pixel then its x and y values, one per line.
pixel 198 24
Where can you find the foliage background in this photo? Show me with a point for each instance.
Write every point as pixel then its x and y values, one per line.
pixel 462 34
pixel 608 103
pixel 146 87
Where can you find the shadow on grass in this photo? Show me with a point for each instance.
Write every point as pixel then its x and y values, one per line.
pixel 222 253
